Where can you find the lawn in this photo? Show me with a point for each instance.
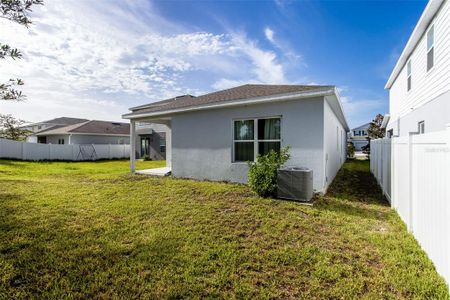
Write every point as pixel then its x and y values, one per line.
pixel 91 230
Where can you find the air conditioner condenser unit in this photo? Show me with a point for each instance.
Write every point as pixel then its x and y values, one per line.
pixel 295 183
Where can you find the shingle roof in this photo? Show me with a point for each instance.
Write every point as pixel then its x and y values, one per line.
pixel 90 127
pixel 64 121
pixel 242 92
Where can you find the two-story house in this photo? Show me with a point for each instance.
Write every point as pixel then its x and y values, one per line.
pixel 419 86
pixel 359 136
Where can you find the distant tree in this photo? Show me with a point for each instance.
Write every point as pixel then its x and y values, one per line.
pixel 375 131
pixel 10 128
pixel 15 11
pixel 350 150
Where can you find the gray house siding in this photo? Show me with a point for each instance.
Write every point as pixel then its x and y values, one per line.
pixel 154 145
pixel 202 140
pixel 99 139
pixel 155 133
pixel 87 139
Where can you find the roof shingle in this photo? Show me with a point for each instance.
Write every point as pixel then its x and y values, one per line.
pixel 242 92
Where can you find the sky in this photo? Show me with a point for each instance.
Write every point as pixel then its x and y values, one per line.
pixel 95 59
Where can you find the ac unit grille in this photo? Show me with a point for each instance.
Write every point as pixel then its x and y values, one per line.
pixel 295 183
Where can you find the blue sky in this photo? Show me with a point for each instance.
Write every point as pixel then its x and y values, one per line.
pixel 96 59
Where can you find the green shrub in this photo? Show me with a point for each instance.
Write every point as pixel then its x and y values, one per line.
pixel 146 157
pixel 262 175
pixel 350 150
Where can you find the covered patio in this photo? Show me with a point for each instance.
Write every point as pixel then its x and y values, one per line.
pixel 163 171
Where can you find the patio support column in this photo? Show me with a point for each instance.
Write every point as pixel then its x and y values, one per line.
pixel 169 146
pixel 132 146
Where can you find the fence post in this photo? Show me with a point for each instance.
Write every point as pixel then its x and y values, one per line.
pixel 448 136
pixel 411 181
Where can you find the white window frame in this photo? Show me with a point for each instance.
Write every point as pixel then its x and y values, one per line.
pixel 431 47
pixel 61 141
pixel 409 75
pixel 255 140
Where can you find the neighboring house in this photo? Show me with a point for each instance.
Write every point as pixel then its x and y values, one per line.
pixel 419 86
pixel 359 136
pixel 151 140
pixel 86 132
pixel 214 135
pixel 63 121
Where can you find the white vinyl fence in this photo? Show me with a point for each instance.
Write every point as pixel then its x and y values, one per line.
pixel 34 151
pixel 414 172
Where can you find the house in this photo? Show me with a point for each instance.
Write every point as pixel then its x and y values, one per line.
pixel 213 136
pixel 151 140
pixel 62 121
pixel 413 167
pixel 359 136
pixel 85 132
pixel 419 86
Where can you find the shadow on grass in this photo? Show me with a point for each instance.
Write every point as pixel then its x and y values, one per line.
pixel 354 182
pixel 352 209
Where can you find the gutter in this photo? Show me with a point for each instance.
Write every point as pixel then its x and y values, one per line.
pixel 79 133
pixel 235 103
pixel 385 122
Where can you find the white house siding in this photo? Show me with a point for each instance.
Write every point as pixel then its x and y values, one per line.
pixel 53 139
pixel 334 144
pixel 202 140
pixel 435 113
pixel 31 139
pixel 426 86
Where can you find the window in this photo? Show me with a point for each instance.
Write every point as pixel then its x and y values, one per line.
pixel 408 75
pixel 145 146
pixel 120 142
pixel 162 145
pixel 390 133
pixel 421 128
pixel 255 136
pixel 430 48
pixel 61 141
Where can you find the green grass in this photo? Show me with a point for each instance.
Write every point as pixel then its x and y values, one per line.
pixel 91 230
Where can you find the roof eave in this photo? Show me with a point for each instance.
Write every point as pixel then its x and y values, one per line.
pixel 338 98
pixel 240 102
pixel 81 133
pixel 426 18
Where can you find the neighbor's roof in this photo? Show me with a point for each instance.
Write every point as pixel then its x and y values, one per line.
pixel 362 126
pixel 93 127
pixel 430 11
pixel 243 92
pixel 63 121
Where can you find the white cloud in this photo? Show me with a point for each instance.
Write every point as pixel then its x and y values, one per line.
pixel 269 34
pixel 87 59
pixel 361 111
